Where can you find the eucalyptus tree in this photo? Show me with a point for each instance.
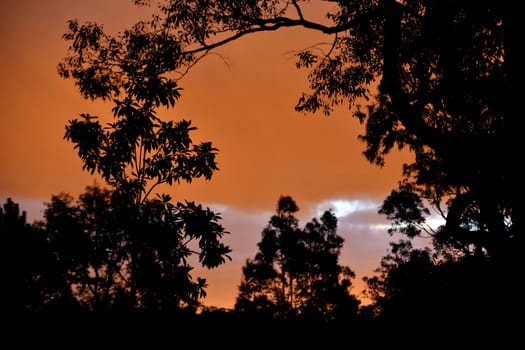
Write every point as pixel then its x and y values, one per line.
pixel 296 272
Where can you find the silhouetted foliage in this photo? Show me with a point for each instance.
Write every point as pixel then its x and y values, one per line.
pixel 441 78
pixel 296 272
pixel 419 286
pixel 114 261
pixel 34 278
pixel 14 233
pixel 122 248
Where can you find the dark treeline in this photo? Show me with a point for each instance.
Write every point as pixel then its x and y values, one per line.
pixel 442 79
pixel 68 276
pixel 76 263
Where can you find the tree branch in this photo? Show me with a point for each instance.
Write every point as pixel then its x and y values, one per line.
pixel 272 24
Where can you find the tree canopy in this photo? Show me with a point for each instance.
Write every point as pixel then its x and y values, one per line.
pixel 134 248
pixel 296 271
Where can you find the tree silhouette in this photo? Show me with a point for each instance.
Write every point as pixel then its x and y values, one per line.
pixel 111 266
pixel 421 286
pixel 296 272
pixel 16 235
pixel 138 152
pixel 13 230
pixel 33 278
pixel 134 158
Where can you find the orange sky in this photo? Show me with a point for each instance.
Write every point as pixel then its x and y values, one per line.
pixel 244 107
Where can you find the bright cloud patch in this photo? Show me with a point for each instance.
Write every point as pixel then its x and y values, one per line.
pixel 344 207
pixel 434 221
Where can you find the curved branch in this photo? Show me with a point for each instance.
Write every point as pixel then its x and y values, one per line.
pixel 272 25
